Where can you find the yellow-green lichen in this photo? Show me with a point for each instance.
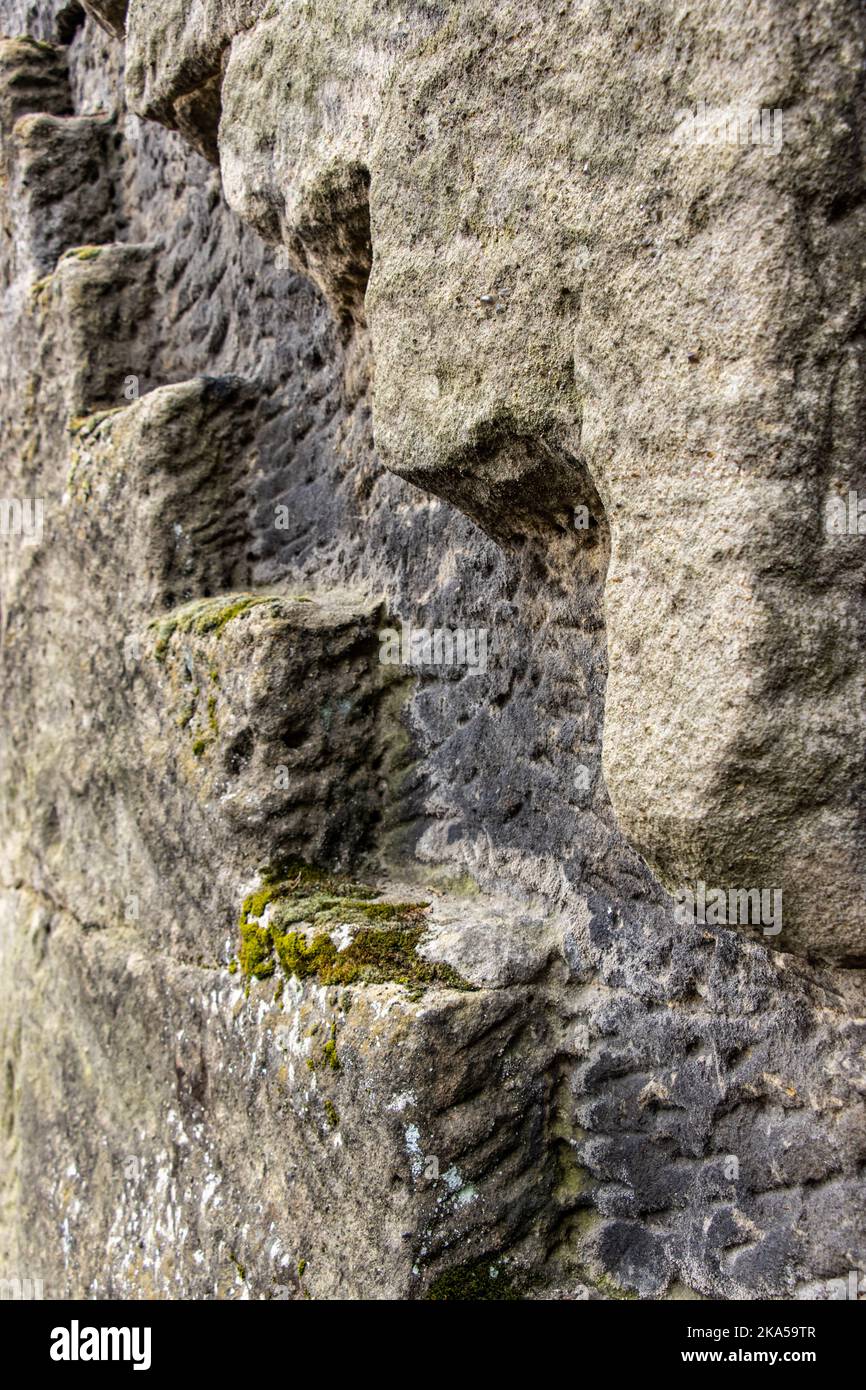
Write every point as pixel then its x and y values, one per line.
pixel 84 425
pixel 38 288
pixel 82 253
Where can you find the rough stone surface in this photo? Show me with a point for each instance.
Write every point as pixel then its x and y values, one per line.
pixel 536 230
pixel 451 281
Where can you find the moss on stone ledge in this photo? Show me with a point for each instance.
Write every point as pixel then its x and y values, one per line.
pixel 203 616
pixel 84 425
pixel 473 1283
pixel 209 616
pixel 290 919
pixel 82 253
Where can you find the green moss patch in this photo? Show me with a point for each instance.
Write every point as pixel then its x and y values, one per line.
pixel 305 905
pixel 473 1283
pixel 203 616
pixel 210 616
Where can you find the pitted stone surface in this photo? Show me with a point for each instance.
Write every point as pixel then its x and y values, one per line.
pixel 569 308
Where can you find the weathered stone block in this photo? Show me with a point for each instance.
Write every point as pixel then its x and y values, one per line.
pixel 33 77
pixel 61 186
pixel 100 299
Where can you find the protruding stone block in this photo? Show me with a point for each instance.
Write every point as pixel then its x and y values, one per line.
pixel 60 186
pixel 33 77
pixel 277 714
pixel 174 60
pixel 161 482
pixel 100 299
